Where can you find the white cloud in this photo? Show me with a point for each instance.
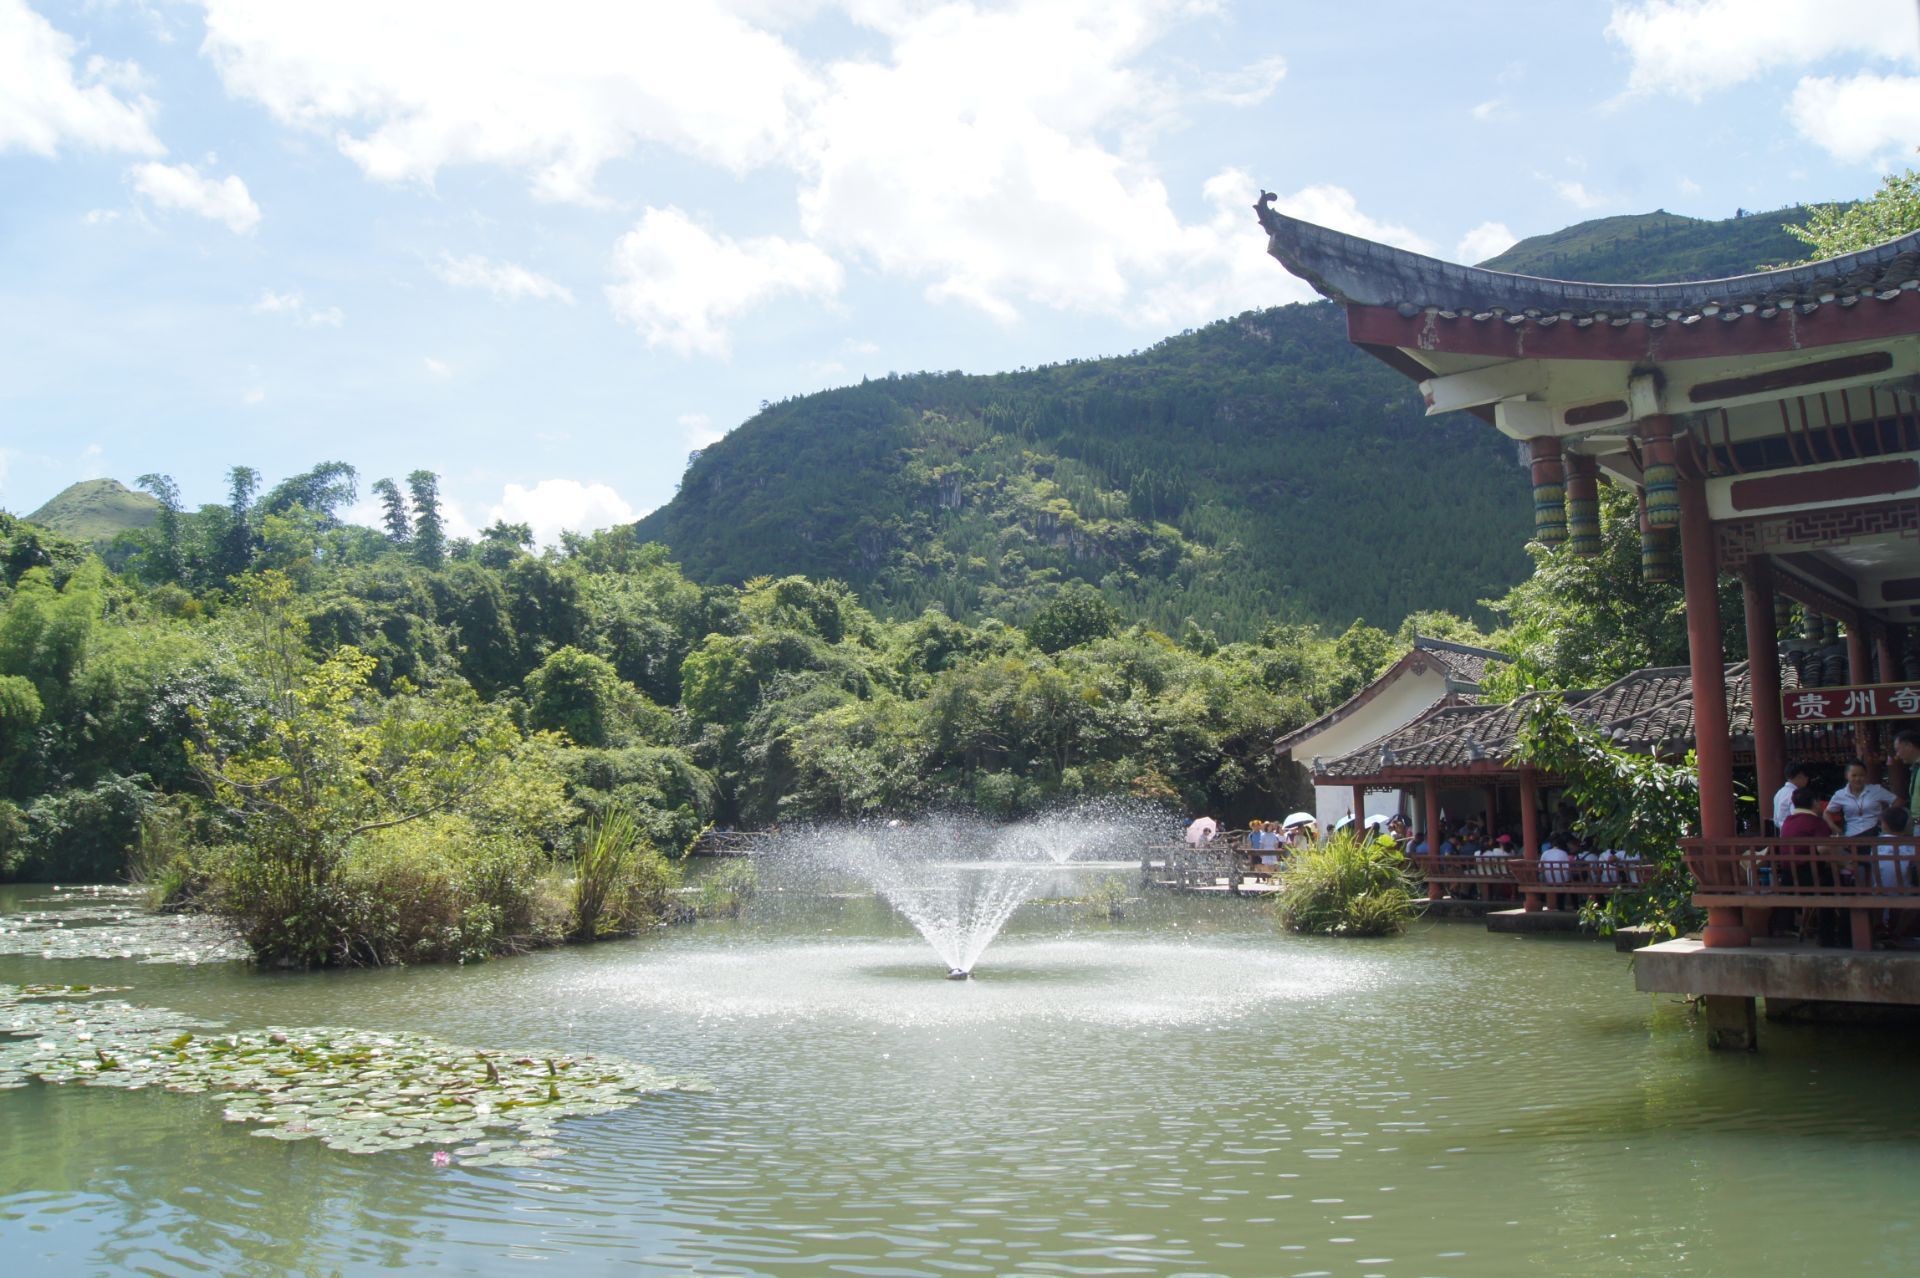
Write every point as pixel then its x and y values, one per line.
pixel 553 506
pixel 502 279
pixel 1858 118
pixel 1576 193
pixel 1248 86
pixel 1220 266
pixel 1688 186
pixel 254 395
pixel 437 368
pixel 100 217
pixel 699 430
pixel 92 461
pixel 1489 109
pixel 1489 239
pixel 181 186
pixel 406 90
pixel 678 283
pixel 997 155
pixel 44 105
pixel 293 305
pixel 1692 47
pixel 976 155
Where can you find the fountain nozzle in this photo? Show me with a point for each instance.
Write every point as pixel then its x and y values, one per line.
pixel 959 974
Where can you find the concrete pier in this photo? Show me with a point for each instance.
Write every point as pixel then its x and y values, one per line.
pixel 1533 922
pixel 1783 970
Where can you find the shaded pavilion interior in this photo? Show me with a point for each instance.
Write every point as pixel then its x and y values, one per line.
pixel 1768 424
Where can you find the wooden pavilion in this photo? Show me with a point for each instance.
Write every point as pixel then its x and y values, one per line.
pixel 1769 425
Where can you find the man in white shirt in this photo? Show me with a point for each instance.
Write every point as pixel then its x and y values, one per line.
pixel 1856 807
pixel 1797 776
pixel 1554 852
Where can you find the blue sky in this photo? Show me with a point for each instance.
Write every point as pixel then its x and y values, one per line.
pixel 547 249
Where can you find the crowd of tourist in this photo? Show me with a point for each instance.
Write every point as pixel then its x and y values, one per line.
pixel 1885 854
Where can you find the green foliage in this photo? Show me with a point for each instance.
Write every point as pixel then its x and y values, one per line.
pixel 1582 623
pixel 1255 470
pixel 429 540
pixel 1625 802
pixel 1890 212
pixel 725 891
pixel 96 510
pixel 1077 615
pixel 1347 886
pixel 621 884
pixel 583 696
pixel 314 760
pixel 446 887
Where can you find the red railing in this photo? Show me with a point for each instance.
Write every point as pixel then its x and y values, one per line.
pixel 1799 871
pixel 1463 869
pixel 1591 878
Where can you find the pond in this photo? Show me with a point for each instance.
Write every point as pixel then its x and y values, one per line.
pixel 1182 1091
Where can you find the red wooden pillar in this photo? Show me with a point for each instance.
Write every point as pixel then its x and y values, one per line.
pixel 1430 796
pixel 1359 806
pixel 1530 828
pixel 1860 670
pixel 1493 811
pixel 1699 564
pixel 1763 666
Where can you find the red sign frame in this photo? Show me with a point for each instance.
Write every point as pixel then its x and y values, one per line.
pixel 1851 703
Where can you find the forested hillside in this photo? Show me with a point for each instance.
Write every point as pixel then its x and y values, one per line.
pixel 1645 248
pixel 1257 470
pixel 369 745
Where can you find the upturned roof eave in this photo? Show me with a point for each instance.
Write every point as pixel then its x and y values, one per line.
pixel 1357 271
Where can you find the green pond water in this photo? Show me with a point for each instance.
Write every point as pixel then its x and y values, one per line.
pixel 1185 1091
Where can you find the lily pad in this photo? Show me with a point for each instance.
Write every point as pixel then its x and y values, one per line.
pixel 292 1083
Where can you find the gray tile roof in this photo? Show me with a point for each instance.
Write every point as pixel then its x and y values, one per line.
pixel 1347 268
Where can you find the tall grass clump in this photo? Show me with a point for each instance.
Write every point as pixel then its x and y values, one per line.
pixel 1347 887
pixel 621 882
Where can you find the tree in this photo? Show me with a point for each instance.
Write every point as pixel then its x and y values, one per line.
pixel 1076 615
pixel 429 532
pixel 1627 802
pixel 399 526
pixel 320 492
pixel 312 759
pixel 583 696
pixel 238 540
pixel 1580 623
pixel 169 557
pixel 1887 214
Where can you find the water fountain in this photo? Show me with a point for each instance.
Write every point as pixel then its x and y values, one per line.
pixel 957 880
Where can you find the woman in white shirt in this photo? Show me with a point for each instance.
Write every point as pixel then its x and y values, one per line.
pixel 1856 807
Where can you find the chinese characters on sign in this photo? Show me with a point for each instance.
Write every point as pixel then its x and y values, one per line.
pixel 1851 704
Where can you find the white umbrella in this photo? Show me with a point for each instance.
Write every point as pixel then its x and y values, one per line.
pixel 1343 822
pixel 1299 818
pixel 1202 830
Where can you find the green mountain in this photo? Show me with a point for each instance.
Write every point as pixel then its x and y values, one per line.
pixel 96 509
pixel 1644 248
pixel 1258 470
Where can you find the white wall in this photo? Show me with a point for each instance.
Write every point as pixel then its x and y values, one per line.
pixel 1394 707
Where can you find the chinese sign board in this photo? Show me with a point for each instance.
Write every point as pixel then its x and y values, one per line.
pixel 1851 704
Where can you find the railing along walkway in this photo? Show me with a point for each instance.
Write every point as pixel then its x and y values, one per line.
pixel 1860 875
pixel 1591 878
